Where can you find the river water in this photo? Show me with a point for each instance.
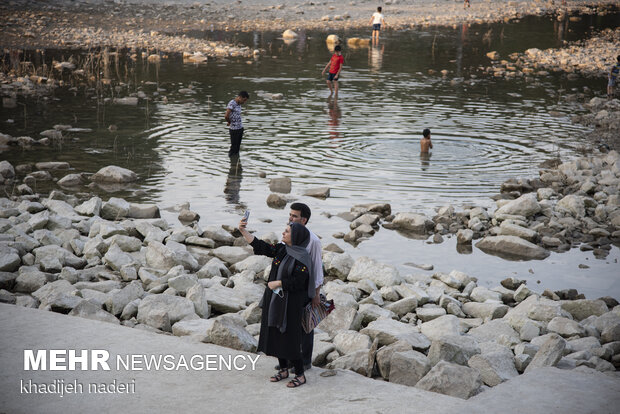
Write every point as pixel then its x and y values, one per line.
pixel 364 145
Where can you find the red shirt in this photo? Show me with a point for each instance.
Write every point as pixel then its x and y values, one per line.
pixel 335 63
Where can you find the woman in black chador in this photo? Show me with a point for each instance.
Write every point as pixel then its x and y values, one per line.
pixel 290 288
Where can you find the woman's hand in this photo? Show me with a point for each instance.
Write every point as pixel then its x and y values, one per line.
pixel 274 284
pixel 246 235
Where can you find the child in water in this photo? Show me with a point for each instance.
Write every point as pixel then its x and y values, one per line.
pixel 425 142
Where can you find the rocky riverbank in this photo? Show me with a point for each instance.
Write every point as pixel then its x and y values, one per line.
pixel 168 26
pixel 119 262
pixel 590 57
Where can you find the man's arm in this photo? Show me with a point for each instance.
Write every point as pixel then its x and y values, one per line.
pixel 227 116
pixel 317 267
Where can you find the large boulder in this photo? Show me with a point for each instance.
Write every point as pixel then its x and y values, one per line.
pixel 573 205
pixel 232 254
pixel 116 259
pixel 453 348
pixel 549 354
pixel 91 207
pixel 451 379
pixel 256 264
pixel 114 174
pixel 357 361
pixel 388 331
pixel 509 229
pixel 512 247
pixel 117 301
pixel 496 330
pixel 88 310
pixel 196 328
pixel 341 319
pixel 381 274
pixel 491 310
pixel 408 367
pixel 565 327
pixel 225 300
pixel 494 367
pixel 443 326
pixel 229 331
pixel 348 342
pixel 411 222
pixel 583 308
pixel 46 255
pixel 338 264
pixel 526 206
pixel 162 311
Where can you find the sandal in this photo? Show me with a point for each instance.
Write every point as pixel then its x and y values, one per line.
pixel 296 382
pixel 279 376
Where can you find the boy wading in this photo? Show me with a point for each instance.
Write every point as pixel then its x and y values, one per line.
pixel 235 125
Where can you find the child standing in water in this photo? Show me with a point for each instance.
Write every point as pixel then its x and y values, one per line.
pixel 425 142
pixel 377 20
pixel 335 65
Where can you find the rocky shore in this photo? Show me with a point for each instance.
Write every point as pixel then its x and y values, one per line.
pixel 168 26
pixel 121 263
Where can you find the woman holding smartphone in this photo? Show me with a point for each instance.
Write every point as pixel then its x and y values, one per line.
pixel 290 288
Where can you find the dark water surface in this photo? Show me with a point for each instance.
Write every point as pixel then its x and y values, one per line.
pixel 364 146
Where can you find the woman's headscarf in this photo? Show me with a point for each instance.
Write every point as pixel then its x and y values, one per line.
pixel 300 237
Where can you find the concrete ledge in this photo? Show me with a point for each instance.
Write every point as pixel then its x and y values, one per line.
pixel 546 390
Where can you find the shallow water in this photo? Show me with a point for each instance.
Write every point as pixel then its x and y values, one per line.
pixel 364 146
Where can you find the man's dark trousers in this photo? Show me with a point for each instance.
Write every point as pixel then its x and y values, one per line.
pixel 235 141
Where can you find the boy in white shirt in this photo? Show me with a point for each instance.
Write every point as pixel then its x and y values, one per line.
pixel 377 20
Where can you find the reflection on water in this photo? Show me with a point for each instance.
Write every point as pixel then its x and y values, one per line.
pixel 363 145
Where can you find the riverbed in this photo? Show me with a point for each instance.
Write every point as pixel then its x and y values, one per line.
pixel 364 145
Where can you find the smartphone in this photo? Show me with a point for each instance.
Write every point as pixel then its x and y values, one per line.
pixel 246 215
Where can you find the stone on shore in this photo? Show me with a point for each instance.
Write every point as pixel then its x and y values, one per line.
pixel 337 264
pixel 276 201
pixel 88 310
pixel 162 311
pixel 494 367
pixel 408 367
pixel 320 192
pixel 415 223
pixel 280 185
pixel 527 205
pixel 453 348
pixel 451 379
pixel 512 247
pixel 229 331
pixel 114 174
pixel 549 354
pixel 582 308
pixel 381 274
pixel 388 331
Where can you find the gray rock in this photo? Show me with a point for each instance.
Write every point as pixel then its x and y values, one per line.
pixel 549 354
pixel 214 267
pixel 252 314
pixel 573 205
pixel 464 236
pixel 225 300
pixel 143 211
pixel 411 222
pixel 130 310
pixel 371 312
pixel 319 192
pixel 71 180
pixel 611 334
pixel 453 348
pixel 195 327
pixel 103 286
pixel 116 259
pixel 29 282
pixel 232 255
pixel 160 311
pixel 583 344
pixel 159 256
pixel 280 185
pixel 9 259
pixel 357 362
pixel 63 256
pixel 114 209
pixel 276 201
pixel 218 235
pixel 582 308
pixel 408 367
pixel 341 319
pixel 451 379
pixel 509 229
pixel 443 326
pixel 320 350
pixel 6 170
pixel 183 283
pixel 381 274
pixel 114 174
pixel 348 342
pixel 403 306
pixel 565 327
pixel 513 247
pixel 491 310
pixel 526 206
pixel 230 332
pixel 495 367
pixel 91 207
pixel 117 301
pixel 428 314
pixel 337 265
pixel 529 330
pixel 496 331
pixel 388 331
pixel 384 355
pixel 482 294
pixel 256 264
pixel 522 293
pixel 89 310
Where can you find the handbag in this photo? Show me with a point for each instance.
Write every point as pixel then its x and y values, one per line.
pixel 312 316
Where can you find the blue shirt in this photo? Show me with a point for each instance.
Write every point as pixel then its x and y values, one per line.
pixel 235 115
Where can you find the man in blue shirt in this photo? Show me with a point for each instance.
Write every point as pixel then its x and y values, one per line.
pixel 235 125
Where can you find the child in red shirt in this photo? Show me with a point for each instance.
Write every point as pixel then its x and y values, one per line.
pixel 335 65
